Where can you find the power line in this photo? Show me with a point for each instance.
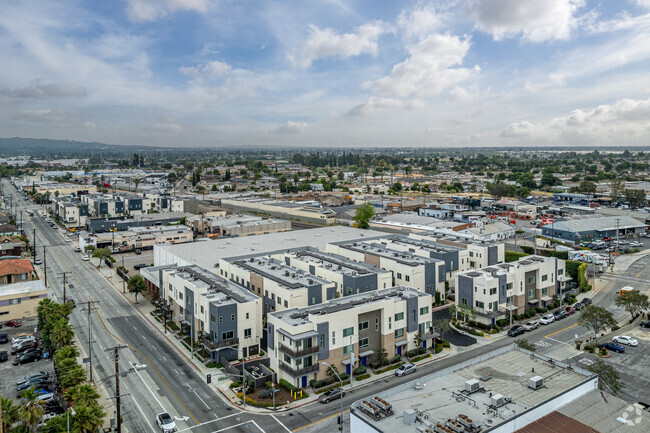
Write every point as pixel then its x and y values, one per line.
pixel 116 354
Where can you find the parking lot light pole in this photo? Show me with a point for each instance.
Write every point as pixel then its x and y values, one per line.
pixel 341 397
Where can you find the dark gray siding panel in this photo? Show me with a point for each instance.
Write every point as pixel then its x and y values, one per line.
pixel 315 294
pixel 465 290
pixel 503 291
pixel 331 293
pixel 323 330
pixel 270 339
pixel 493 255
pixel 412 314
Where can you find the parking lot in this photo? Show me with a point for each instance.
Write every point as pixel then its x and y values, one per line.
pixel 132 259
pixel 9 373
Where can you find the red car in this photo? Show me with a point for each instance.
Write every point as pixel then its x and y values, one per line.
pixel 14 323
pixel 19 348
pixel 570 310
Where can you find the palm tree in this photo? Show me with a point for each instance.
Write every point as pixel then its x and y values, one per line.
pixel 57 424
pixel 136 181
pixel 10 413
pixel 31 411
pixel 62 333
pixel 66 352
pixel 82 395
pixel 88 419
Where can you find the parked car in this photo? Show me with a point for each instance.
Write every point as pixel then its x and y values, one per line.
pixel 140 266
pixel 31 356
pixel 559 314
pixel 22 338
pixel 586 301
pixel 166 423
pixel 4 338
pixel 38 262
pixel 546 319
pixel 405 369
pixel 77 249
pixel 570 310
pixel 20 348
pixel 516 330
pixel 645 324
pixel 529 326
pixel 625 339
pixel 32 375
pixel 37 383
pixel 16 323
pixel 45 396
pixel 4 356
pixel 72 302
pixel 331 394
pixel 85 258
pixel 614 347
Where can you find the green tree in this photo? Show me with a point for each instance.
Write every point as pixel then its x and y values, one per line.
pixel 88 419
pixel 70 373
pixel 442 325
pixel 634 302
pixel 136 182
pixel 466 312
pixel 62 333
pixel 101 254
pixel 616 187
pixel 136 284
pixel 31 411
pixel 596 318
pixel 608 377
pixel 417 339
pixel 548 179
pixel 363 215
pixel 587 187
pixel 66 352
pixel 635 197
pixel 82 395
pixel 57 424
pixel 525 344
pixel 10 413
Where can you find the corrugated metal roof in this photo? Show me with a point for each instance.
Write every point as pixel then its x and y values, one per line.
pixel 555 422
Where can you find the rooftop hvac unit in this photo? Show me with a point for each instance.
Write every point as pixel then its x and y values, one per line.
pixel 472 385
pixel 536 382
pixel 497 400
pixel 409 416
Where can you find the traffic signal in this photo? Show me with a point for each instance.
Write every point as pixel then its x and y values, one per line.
pixel 338 420
pixel 209 378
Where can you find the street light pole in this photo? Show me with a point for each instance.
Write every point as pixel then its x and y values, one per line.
pixel 341 397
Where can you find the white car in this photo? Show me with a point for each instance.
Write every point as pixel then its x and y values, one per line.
pixel 625 339
pixel 22 338
pixel 166 423
pixel 546 319
pixel 529 326
pixel 405 369
pixel 85 258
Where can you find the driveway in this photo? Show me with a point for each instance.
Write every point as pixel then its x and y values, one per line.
pixel 454 337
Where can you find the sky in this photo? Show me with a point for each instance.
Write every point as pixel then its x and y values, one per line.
pixel 327 73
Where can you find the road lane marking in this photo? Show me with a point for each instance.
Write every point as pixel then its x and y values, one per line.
pixel 557 341
pixel 143 415
pixel 147 385
pixel 285 427
pixel 255 424
pixel 211 421
pixel 177 372
pixel 637 275
pixel 321 420
pixel 561 330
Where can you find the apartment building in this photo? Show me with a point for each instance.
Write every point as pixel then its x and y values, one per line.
pixel 16 270
pixel 20 300
pixel 408 269
pixel 530 282
pixel 481 253
pixel 281 286
pixel 346 332
pixel 72 213
pixel 228 316
pixel 349 278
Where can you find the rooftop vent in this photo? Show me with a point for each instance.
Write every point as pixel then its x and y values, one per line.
pixel 472 386
pixel 536 382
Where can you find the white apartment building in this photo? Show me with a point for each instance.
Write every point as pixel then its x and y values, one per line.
pixel 346 332
pixel 228 316
pixel 530 282
pixel 481 253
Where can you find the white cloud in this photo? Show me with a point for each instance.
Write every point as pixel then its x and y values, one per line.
pixel 643 3
pixel 151 10
pixel 221 79
pixel 534 20
pixel 429 69
pixel 518 129
pixel 328 43
pixel 207 71
pixel 290 128
pixel 165 125
pixel 36 90
pixel 52 116
pixel 420 21
pixel 375 104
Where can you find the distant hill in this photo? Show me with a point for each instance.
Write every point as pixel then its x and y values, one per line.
pixel 64 148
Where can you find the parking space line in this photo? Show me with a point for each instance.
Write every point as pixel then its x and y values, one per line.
pixel 561 330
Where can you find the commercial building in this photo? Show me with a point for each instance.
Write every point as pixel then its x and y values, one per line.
pixel 233 225
pixel 492 231
pixel 281 286
pixel 138 237
pixel 311 211
pixel 499 392
pixel 102 225
pixel 408 269
pixel 530 282
pixel 227 315
pixel 349 277
pixel 20 300
pixel 577 230
pixel 346 332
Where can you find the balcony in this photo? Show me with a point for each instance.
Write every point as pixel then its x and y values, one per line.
pixel 300 372
pixel 298 353
pixel 214 345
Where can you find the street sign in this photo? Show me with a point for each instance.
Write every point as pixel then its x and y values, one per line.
pixel 86 360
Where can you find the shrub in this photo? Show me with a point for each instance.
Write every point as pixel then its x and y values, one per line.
pixel 111 259
pixel 419 358
pixel 438 348
pixel 511 256
pixel 615 328
pixel 344 376
pixel 363 377
pixel 359 370
pixel 286 385
pixel 320 383
pixel 322 390
pixel 502 322
pixel 421 350
pixel 213 364
pixel 395 359
pixel 541 310
pixel 445 343
pixel 235 384
pixel 252 402
pixel 492 331
pixel 392 367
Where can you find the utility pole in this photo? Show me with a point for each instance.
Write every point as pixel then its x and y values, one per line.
pixel 116 355
pixel 90 337
pixel 123 275
pixel 64 286
pixel 34 247
pixel 45 265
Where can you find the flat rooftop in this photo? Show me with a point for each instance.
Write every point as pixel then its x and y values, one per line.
pixel 403 257
pixel 302 315
pixel 278 271
pixel 503 373
pixel 206 253
pixel 218 289
pixel 22 288
pixel 423 244
pixel 336 263
pixel 502 268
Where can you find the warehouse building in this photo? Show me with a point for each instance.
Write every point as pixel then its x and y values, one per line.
pixel 577 230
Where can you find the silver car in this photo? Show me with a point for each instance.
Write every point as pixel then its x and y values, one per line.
pixel 405 369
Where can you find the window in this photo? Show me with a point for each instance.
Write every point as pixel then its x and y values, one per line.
pixel 531 293
pixel 232 317
pixel 202 309
pixel 227 335
pixel 544 291
pixel 286 304
pixel 531 280
pixel 180 295
pixel 15 301
pixel 424 310
pixel 212 318
pixel 363 343
pixel 376 324
pixel 363 326
pixel 407 277
pixel 480 304
pixel 390 324
pixel 560 271
pixel 266 293
pixel 472 264
pixel 471 253
pixel 322 340
pixel 509 286
pixel 493 291
pixel 399 316
pixel 180 309
pixel 273 296
pixel 348 331
pixel 399 332
pixel 348 349
pixel 287 359
pixel 333 338
pixel 279 300
pixel 544 277
pixel 247 333
pixel 248 315
pixel 399 276
pixel 220 319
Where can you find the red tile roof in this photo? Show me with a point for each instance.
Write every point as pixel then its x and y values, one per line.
pixel 15 266
pixel 555 422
